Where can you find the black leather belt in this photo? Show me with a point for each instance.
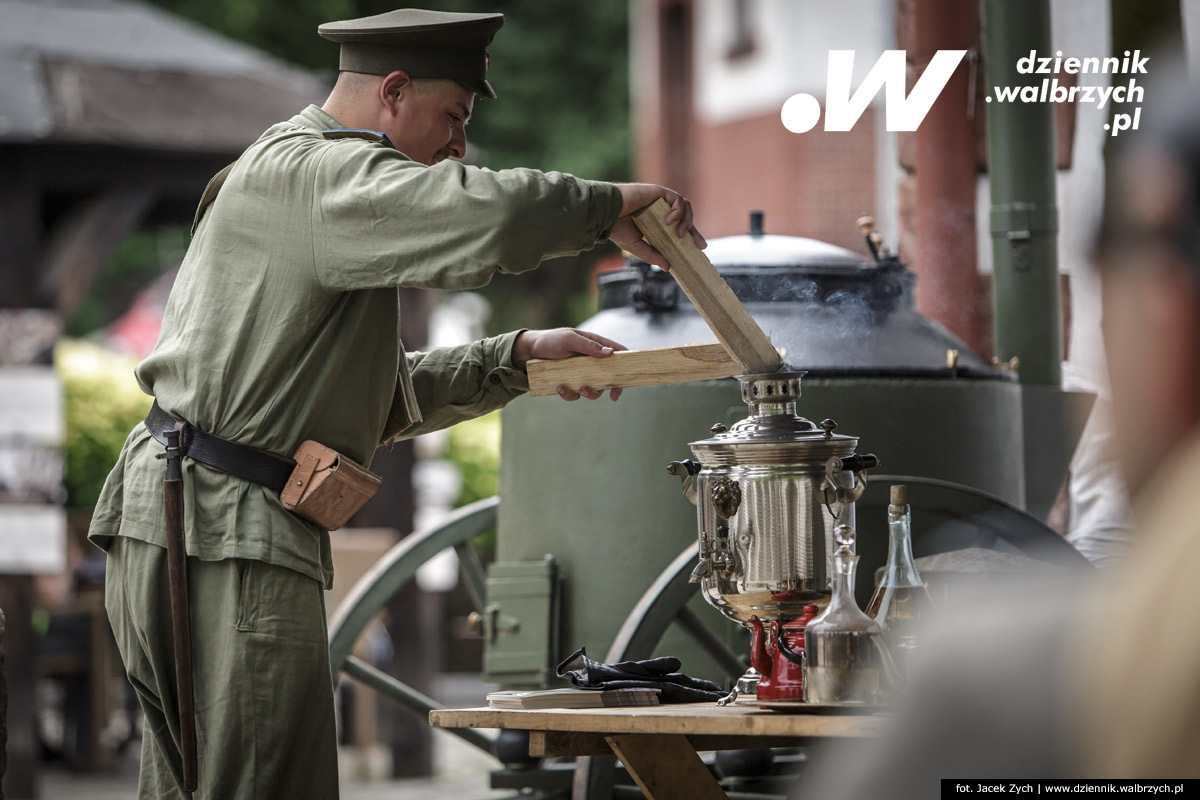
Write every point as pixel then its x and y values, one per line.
pixel 236 459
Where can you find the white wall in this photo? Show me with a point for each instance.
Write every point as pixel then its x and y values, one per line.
pixel 792 43
pixel 1077 28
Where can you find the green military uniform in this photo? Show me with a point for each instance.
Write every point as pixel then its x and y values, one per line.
pixel 283 323
pixel 282 326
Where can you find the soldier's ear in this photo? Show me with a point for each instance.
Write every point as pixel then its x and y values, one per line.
pixel 394 85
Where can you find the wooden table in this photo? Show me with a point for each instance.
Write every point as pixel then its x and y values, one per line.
pixel 659 745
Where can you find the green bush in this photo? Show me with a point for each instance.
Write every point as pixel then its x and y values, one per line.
pixel 475 450
pixel 103 404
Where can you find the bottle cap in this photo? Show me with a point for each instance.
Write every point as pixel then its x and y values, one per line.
pixel 899 495
pixel 844 536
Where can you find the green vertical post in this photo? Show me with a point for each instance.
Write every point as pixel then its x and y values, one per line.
pixel 1024 217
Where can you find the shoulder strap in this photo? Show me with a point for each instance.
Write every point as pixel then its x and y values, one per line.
pixel 210 194
pixel 358 133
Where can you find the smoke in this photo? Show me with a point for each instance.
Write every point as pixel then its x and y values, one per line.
pixel 821 326
pixel 852 315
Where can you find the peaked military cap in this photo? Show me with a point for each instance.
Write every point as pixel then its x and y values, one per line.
pixel 425 44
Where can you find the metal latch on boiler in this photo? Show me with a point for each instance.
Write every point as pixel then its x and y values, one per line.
pixel 491 623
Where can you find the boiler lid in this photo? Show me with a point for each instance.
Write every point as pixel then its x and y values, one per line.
pixel 765 250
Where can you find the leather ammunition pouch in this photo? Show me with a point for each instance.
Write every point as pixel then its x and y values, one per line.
pixel 320 485
pixel 326 487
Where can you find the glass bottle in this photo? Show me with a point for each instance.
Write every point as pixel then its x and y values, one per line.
pixel 845 658
pixel 901 603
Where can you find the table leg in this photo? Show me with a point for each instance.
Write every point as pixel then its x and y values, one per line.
pixel 665 766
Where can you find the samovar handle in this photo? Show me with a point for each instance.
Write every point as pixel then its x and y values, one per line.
pixel 838 497
pixel 686 471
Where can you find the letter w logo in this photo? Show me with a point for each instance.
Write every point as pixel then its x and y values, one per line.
pixel 801 112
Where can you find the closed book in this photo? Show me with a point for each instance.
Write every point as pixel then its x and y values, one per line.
pixel 573 698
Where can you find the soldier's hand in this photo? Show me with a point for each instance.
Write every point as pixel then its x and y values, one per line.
pixel 565 343
pixel 635 197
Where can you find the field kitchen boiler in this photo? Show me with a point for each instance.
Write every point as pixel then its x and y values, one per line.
pixel 589 516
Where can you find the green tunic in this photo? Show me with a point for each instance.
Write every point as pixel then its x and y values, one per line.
pixel 283 322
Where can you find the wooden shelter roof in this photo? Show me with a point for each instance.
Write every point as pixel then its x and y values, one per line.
pixel 125 73
pixel 113 116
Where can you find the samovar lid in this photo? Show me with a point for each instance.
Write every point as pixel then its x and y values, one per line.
pixel 773 432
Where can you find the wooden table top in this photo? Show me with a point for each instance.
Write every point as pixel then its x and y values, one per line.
pixel 704 719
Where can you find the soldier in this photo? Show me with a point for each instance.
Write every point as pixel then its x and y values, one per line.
pixel 282 328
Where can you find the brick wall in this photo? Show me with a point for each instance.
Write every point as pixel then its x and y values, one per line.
pixel 814 184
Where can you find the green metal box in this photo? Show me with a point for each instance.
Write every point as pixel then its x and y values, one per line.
pixel 521 623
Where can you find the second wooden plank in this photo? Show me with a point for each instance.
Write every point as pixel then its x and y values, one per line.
pixel 625 368
pixel 709 292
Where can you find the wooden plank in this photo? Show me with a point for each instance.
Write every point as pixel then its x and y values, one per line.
pixel 687 718
pixel 666 767
pixel 709 292
pixel 625 368
pixel 547 744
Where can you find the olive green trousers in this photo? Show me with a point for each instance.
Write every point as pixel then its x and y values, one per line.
pixel 265 724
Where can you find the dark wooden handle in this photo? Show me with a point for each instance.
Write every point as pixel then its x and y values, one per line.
pixel 181 625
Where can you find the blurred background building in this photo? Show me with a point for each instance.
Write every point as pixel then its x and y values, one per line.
pixel 709 79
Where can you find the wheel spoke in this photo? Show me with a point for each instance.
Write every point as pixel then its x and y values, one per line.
pixel 396 569
pixel 473 573
pixel 712 644
pixel 656 610
pixel 410 698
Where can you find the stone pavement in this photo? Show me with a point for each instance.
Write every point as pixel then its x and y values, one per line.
pixel 461 772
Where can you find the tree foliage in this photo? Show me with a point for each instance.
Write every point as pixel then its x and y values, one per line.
pixel 475 449
pixel 560 69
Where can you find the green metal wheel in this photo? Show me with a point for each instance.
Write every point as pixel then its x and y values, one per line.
pixel 388 576
pixel 665 603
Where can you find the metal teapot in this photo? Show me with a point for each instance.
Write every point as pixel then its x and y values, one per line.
pixel 777 655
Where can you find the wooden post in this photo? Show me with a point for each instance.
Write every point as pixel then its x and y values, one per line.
pixel 21 779
pixel 409 613
pixel 709 292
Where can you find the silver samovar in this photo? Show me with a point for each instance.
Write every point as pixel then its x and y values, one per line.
pixel 769 492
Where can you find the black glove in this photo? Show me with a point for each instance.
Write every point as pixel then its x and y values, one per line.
pixel 654 673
